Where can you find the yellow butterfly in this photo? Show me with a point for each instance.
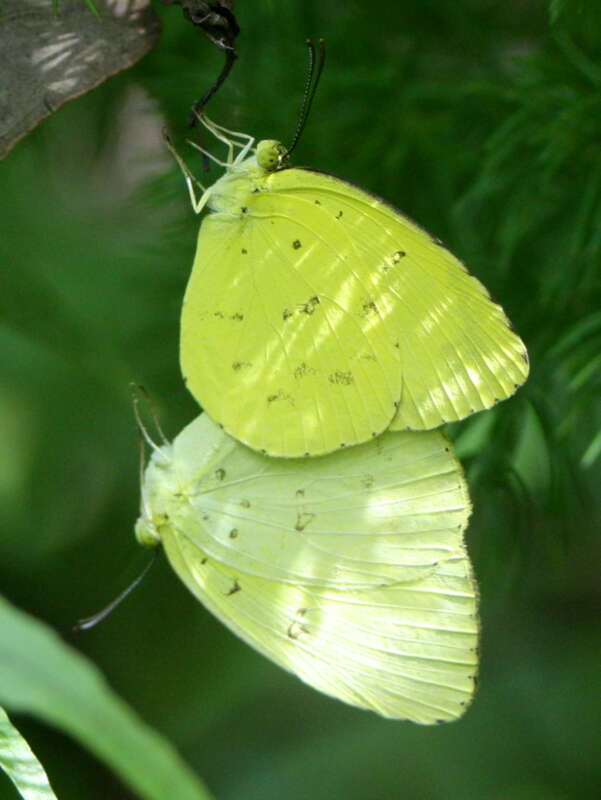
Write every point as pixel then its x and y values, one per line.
pixel 349 570
pixel 317 315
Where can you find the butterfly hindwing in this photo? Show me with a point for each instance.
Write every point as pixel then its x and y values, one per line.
pixel 458 352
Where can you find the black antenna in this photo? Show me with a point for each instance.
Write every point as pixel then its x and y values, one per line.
pixel 311 84
pixel 89 622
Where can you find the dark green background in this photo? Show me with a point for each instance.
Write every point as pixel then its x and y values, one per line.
pixel 481 120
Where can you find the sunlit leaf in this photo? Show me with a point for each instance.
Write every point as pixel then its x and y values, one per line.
pixel 21 765
pixel 41 675
pixel 49 56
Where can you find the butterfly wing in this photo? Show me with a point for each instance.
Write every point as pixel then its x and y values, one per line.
pixel 280 342
pixel 405 648
pixel 406 651
pixel 389 510
pixel 458 352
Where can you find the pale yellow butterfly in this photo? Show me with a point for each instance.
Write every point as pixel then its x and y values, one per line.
pixel 349 570
pixel 317 315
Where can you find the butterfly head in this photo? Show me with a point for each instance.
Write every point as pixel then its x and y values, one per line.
pixel 159 485
pixel 271 155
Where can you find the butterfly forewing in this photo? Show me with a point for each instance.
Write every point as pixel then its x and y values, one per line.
pixel 387 511
pixel 278 338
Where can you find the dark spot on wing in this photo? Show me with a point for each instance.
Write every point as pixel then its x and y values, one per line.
pixel 245 503
pixel 281 395
pixel 296 244
pixel 300 492
pixel 204 560
pixel 302 370
pixel 303 518
pixel 286 313
pixel 233 533
pixel 238 317
pixel 244 209
pixel 220 474
pixel 341 378
pixel 295 629
pixel 317 202
pixel 219 315
pixel 309 306
pixel 367 307
pixel 244 251
pixel 339 215
pixel 396 256
pixel 239 364
pixel 235 588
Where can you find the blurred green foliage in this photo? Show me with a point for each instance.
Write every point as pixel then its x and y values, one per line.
pixel 482 121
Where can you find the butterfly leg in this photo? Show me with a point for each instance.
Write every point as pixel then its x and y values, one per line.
pixel 221 133
pixel 211 157
pixel 213 127
pixel 191 180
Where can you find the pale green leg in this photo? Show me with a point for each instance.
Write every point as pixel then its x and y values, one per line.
pixel 197 204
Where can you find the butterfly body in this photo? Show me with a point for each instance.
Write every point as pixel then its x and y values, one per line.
pixel 348 570
pixel 317 316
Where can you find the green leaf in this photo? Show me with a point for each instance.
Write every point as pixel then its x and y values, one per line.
pixel 41 675
pixel 531 459
pixel 21 765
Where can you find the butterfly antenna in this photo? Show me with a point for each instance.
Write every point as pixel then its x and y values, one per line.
pixel 136 391
pixel 311 84
pixel 90 622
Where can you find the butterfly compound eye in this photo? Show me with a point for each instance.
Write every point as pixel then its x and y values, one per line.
pixel 270 154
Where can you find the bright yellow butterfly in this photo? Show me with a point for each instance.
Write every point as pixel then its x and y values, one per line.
pixel 317 315
pixel 349 570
